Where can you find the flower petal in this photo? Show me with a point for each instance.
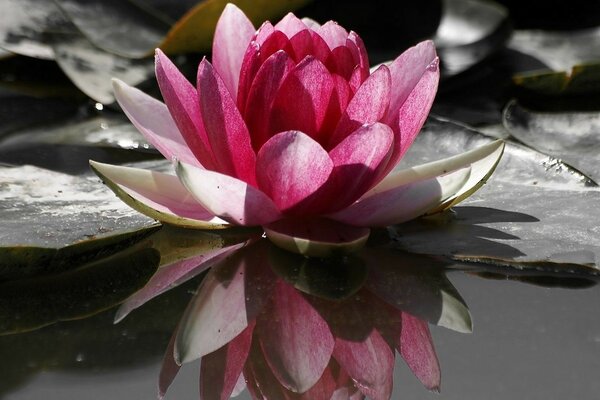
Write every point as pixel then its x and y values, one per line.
pixel 318 237
pixel 182 100
pixel 152 119
pixel 262 94
pixel 225 128
pixel 229 298
pixel 303 99
pixel 221 369
pixel 369 104
pixel 308 43
pixel 370 363
pixel 290 25
pixel 169 368
pixel 291 168
pixel 416 347
pixel 356 165
pixel 333 34
pixel 297 353
pixel 157 195
pixel 233 33
pixel 403 203
pixel 229 198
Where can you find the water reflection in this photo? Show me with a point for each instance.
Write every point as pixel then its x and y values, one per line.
pixel 289 327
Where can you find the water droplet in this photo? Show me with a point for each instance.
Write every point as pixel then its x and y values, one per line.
pixel 99 106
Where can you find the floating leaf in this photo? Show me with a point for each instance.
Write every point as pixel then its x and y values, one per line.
pixel 470 30
pixel 533 213
pixel 581 79
pixel 194 32
pixel 573 137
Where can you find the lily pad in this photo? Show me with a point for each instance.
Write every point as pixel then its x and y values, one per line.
pixel 194 31
pixel 116 26
pixel 581 79
pixel 470 31
pixel 533 213
pixel 44 210
pixel 573 137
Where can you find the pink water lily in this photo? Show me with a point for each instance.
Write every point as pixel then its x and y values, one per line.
pixel 289 129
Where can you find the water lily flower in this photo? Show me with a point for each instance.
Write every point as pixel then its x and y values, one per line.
pixel 288 128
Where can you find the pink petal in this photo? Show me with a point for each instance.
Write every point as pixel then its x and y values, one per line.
pixel 273 43
pixel 158 195
pixel 369 104
pixel 361 57
pixel 292 167
pixel 402 203
pixel 250 65
pixel 303 99
pixel 182 100
pixel 169 368
pixel 308 43
pixel 227 197
pixel 233 34
pixel 261 382
pixel 152 119
pixel 221 369
pixel 170 276
pixel 290 25
pixel 333 34
pixel 228 300
pixel 325 386
pixel 311 23
pixel 369 362
pixel 297 353
pixel 356 165
pixel 262 95
pixel 225 128
pixel 416 347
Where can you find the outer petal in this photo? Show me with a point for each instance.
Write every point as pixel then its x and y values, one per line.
pixel 182 100
pixel 357 165
pixel 291 167
pixel 169 368
pixel 227 197
pixel 226 130
pixel 416 347
pixel 158 195
pixel 298 353
pixel 233 33
pixel 290 25
pixel 304 98
pixel 369 104
pixel 403 203
pixel 333 34
pixel 152 119
pixel 221 369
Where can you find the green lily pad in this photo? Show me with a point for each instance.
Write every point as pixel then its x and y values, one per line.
pixel 533 213
pixel 469 32
pixel 573 137
pixel 43 211
pixel 581 79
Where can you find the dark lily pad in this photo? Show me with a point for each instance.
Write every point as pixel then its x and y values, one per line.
pixel 92 69
pixel 573 137
pixel 581 79
pixel 116 26
pixel 470 31
pixel 533 213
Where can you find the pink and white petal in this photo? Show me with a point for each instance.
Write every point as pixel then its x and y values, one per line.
pixel 370 364
pixel 181 99
pixel 263 32
pixel 157 195
pixel 291 167
pixel 333 34
pixel 225 128
pixel 170 276
pixel 403 203
pixel 356 166
pixel 311 23
pixel 303 99
pixel 356 44
pixel 481 159
pixel 318 237
pixel 407 70
pixel 229 198
pixel 416 348
pixel 153 120
pixel 297 353
pixel 227 302
pixel 290 25
pixel 221 369
pixel 169 368
pixel 262 94
pixel 233 34
pixel 239 387
pixel 369 104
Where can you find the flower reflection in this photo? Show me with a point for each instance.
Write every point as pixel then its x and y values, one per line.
pixel 290 327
